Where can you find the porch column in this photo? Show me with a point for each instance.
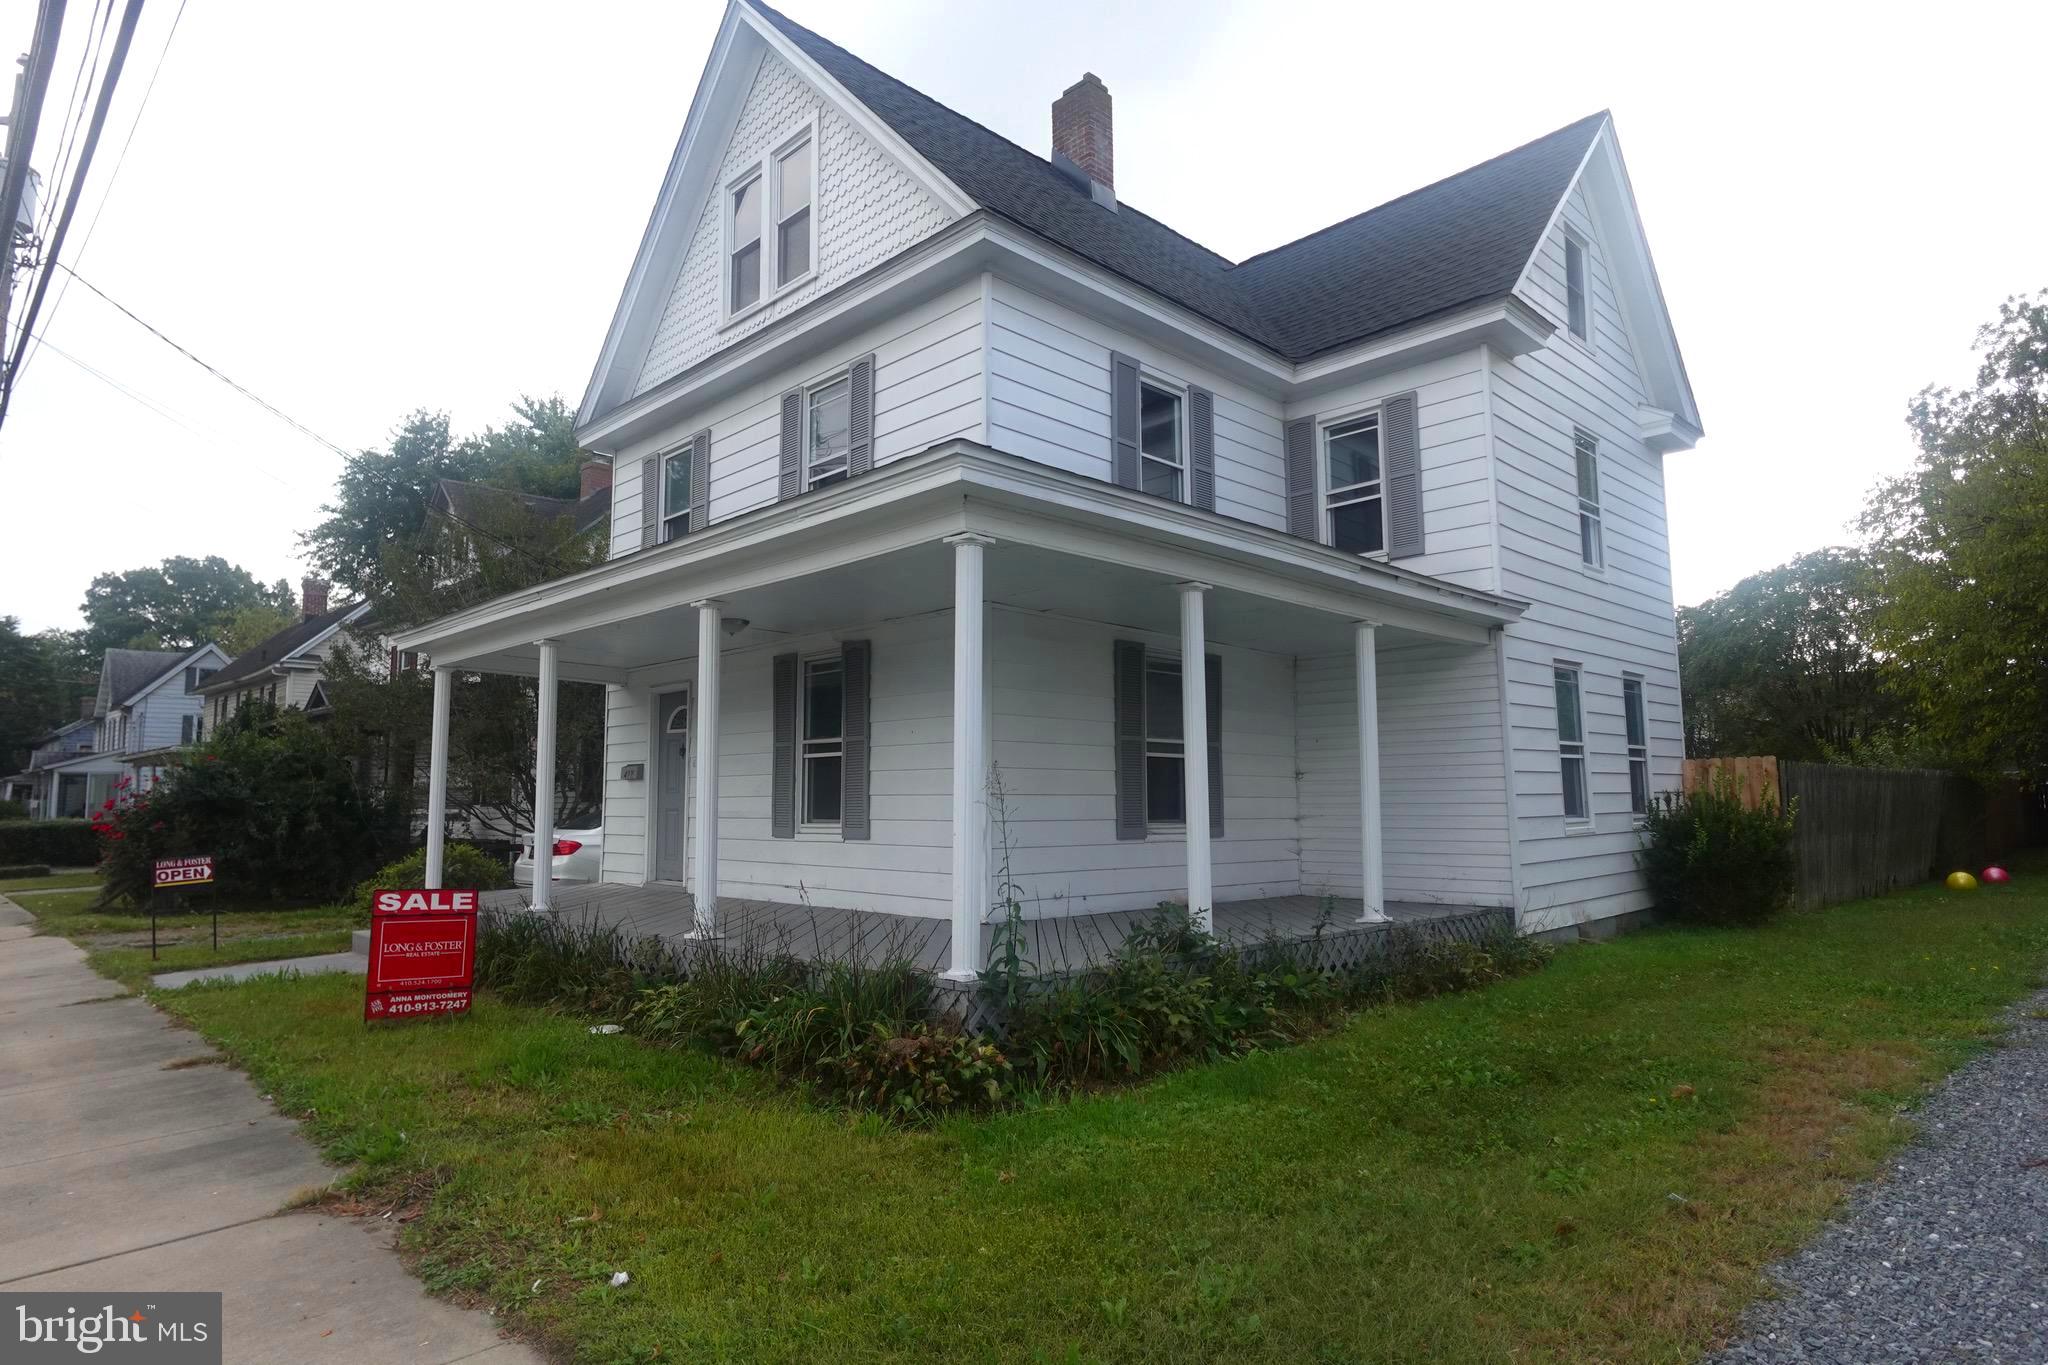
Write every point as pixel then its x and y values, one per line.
pixel 1194 726
pixel 970 758
pixel 704 841
pixel 437 776
pixel 544 782
pixel 1372 865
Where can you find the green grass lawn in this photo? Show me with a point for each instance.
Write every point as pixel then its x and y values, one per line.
pixel 133 966
pixel 1588 1164
pixel 73 914
pixel 56 881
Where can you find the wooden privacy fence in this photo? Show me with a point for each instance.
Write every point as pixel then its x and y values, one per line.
pixel 1865 831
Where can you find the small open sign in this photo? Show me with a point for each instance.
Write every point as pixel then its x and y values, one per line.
pixel 193 871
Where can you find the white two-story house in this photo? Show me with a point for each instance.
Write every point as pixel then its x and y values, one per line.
pixel 976 536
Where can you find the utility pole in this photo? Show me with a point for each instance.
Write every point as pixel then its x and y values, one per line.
pixel 30 87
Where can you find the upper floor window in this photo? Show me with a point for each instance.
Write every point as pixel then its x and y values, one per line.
pixel 1162 455
pixel 828 432
pixel 1352 503
pixel 1571 744
pixel 794 186
pixel 675 495
pixel 1578 317
pixel 743 239
pixel 824 740
pixel 1638 743
pixel 1586 455
pixel 1166 801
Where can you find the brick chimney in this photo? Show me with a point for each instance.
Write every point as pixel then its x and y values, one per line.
pixel 1082 144
pixel 597 476
pixel 313 596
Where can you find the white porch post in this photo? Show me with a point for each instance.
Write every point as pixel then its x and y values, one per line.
pixel 437 776
pixel 1372 865
pixel 970 758
pixel 704 840
pixel 544 781
pixel 1194 724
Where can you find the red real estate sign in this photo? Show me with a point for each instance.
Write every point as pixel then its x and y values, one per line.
pixel 422 953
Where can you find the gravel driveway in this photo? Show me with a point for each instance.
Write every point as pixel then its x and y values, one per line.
pixel 1946 1259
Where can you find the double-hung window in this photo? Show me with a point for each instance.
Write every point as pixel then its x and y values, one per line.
pixel 824 741
pixel 1571 744
pixel 1165 744
pixel 1353 504
pixel 1586 455
pixel 675 494
pixel 1162 445
pixel 1638 744
pixel 743 243
pixel 1578 317
pixel 793 187
pixel 828 432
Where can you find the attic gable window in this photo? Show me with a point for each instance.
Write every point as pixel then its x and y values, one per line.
pixel 1577 316
pixel 743 233
pixel 794 185
pixel 770 227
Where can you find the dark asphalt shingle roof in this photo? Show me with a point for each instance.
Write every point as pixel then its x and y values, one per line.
pixel 278 647
pixel 1449 245
pixel 470 502
pixel 124 672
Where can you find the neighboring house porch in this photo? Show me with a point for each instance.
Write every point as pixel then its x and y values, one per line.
pixel 956 681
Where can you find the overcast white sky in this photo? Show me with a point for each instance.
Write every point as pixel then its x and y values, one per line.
pixel 359 210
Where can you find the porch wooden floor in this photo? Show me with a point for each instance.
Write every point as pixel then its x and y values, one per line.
pixel 1055 944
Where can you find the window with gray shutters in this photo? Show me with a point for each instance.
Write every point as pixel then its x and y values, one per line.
pixel 1162 442
pixel 676 476
pixel 828 432
pixel 1353 506
pixel 823 757
pixel 1165 744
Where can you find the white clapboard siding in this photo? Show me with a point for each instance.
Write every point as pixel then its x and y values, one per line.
pixel 1444 810
pixel 1610 622
pixel 928 389
pixel 1053 744
pixel 868 209
pixel 1049 400
pixel 1457 478
pixel 626 724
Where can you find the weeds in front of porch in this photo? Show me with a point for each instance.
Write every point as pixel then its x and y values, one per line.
pixel 584 965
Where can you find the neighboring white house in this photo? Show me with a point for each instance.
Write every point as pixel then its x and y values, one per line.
pixel 288 669
pixel 936 465
pixel 147 701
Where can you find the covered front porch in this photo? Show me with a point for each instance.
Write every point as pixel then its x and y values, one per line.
pixel 963 684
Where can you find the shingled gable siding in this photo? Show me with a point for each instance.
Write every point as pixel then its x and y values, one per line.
pixel 928 387
pixel 1443 787
pixel 1049 401
pixel 1615 621
pixel 868 209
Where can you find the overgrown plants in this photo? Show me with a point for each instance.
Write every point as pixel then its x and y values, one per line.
pixel 1709 859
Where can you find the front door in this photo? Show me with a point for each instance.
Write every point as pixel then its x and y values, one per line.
pixel 671 783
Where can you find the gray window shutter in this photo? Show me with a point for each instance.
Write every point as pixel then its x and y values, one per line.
pixel 792 445
pixel 782 800
pixel 1123 420
pixel 1202 448
pixel 1301 479
pixel 860 454
pixel 1401 449
pixel 857 657
pixel 650 501
pixel 1213 687
pixel 700 480
pixel 1130 739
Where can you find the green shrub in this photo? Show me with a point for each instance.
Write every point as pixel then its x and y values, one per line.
pixel 25 870
pixel 60 843
pixel 13 810
pixel 269 796
pixel 462 866
pixel 1709 859
pixel 585 966
pixel 922 1072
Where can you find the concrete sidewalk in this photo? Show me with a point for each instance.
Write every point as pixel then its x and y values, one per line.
pixel 117 1174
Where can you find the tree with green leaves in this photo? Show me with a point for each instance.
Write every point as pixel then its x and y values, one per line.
pixel 41 681
pixel 1781 664
pixel 1960 546
pixel 181 603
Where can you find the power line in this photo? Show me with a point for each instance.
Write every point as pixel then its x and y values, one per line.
pixel 56 244
pixel 79 93
pixel 350 457
pixel 85 243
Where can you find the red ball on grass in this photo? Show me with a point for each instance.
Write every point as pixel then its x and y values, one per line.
pixel 1997 874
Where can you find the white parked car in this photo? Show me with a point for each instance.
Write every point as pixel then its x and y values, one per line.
pixel 578 855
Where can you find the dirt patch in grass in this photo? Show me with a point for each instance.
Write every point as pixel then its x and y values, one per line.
pixel 187 1063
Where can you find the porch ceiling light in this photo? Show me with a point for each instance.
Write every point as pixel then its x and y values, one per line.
pixel 735 624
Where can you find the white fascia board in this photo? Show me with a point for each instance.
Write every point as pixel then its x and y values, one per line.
pixel 173 671
pixel 1664 431
pixel 953 488
pixel 1557 209
pixel 876 130
pixel 355 614
pixel 1509 326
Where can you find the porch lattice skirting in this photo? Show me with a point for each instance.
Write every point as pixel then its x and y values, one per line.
pixel 656 924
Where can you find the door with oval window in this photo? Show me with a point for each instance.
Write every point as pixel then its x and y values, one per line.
pixel 671 787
